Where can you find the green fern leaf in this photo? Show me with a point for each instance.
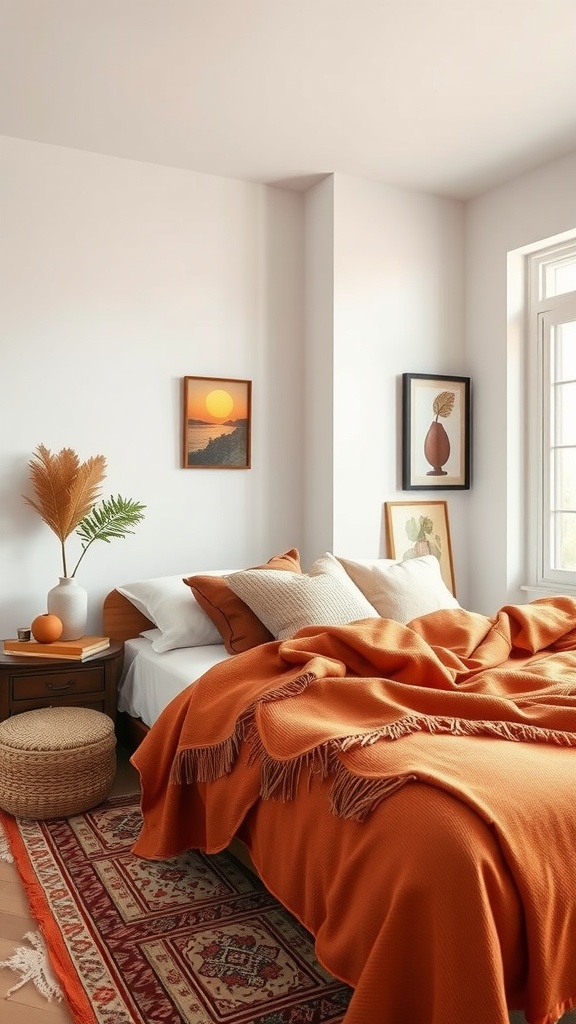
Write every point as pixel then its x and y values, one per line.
pixel 112 519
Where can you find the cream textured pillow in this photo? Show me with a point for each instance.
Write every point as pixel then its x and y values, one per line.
pixel 401 590
pixel 286 602
pixel 237 624
pixel 328 563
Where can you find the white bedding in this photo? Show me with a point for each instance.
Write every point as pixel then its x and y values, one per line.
pixel 150 680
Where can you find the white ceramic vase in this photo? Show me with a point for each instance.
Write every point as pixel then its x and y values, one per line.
pixel 69 601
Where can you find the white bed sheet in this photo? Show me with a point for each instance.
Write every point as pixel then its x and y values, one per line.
pixel 150 680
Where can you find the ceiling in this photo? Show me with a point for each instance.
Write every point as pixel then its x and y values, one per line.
pixel 448 96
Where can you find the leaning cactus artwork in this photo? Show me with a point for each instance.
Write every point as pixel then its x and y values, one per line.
pixel 424 541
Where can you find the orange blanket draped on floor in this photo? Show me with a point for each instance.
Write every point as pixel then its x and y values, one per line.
pixel 407 792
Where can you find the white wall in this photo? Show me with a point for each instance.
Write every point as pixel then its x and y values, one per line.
pixel 318 384
pixel 530 208
pixel 398 308
pixel 118 279
pixel 384 288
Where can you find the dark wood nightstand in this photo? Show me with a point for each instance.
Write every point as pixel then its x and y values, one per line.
pixel 27 683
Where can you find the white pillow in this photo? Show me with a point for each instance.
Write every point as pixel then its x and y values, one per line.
pixel 151 634
pixel 172 607
pixel 401 590
pixel 286 602
pixel 380 563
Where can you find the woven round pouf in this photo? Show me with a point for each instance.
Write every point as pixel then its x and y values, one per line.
pixel 55 762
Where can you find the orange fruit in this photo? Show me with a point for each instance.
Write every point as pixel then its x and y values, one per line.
pixel 46 628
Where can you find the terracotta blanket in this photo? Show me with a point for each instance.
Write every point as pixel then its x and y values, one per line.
pixel 453 734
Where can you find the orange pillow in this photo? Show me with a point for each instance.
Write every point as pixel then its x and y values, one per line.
pixel 237 624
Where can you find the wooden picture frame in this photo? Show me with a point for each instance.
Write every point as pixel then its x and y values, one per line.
pixel 216 423
pixel 436 439
pixel 415 528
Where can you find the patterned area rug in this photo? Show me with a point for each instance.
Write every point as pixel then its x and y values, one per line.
pixel 197 939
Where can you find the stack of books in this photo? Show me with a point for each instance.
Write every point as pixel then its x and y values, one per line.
pixel 74 650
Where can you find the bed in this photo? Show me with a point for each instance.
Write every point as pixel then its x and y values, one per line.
pixel 407 791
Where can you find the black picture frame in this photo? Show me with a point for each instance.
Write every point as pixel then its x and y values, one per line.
pixel 436 432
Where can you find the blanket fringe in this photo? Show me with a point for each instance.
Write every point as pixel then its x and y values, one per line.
pixel 352 796
pixel 290 689
pixel 206 764
pixel 514 731
pixel 279 780
pixel 355 797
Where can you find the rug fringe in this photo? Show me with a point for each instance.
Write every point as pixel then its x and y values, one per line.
pixel 32 965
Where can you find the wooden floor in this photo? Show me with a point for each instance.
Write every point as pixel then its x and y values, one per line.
pixel 27 1006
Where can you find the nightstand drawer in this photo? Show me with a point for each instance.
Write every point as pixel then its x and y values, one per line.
pixel 29 683
pixel 66 683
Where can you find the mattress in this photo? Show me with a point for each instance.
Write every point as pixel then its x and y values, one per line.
pixel 150 680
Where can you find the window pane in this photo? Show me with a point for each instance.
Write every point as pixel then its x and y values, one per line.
pixel 560 278
pixel 564 341
pixel 564 488
pixel 551 522
pixel 564 541
pixel 565 413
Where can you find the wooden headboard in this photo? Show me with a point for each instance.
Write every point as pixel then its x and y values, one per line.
pixel 120 619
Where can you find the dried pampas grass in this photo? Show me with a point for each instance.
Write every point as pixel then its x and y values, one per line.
pixel 65 488
pixel 66 491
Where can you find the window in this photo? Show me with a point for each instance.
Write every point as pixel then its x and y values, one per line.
pixel 552 332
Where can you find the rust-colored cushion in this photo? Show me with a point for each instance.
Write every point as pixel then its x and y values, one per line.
pixel 237 624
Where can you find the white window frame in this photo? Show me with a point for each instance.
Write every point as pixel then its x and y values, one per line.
pixel 544 313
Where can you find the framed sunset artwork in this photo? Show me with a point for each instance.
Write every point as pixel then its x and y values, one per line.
pixel 216 423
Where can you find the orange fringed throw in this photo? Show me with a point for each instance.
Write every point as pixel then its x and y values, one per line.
pixel 326 705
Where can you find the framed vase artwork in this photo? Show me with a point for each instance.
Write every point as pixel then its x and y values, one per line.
pixel 216 423
pixel 416 528
pixel 436 424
